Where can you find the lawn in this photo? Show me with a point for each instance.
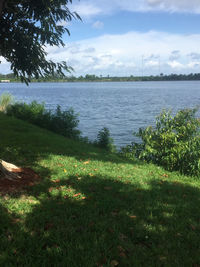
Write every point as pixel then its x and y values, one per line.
pixel 93 208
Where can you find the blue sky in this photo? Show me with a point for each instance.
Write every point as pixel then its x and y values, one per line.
pixel 131 37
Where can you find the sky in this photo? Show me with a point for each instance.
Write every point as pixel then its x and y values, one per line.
pixel 131 37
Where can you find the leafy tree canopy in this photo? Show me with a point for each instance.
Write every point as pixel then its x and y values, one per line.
pixel 26 28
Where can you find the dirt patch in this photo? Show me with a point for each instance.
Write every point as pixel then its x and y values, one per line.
pixel 25 177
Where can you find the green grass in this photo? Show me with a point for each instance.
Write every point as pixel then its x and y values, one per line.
pixel 92 208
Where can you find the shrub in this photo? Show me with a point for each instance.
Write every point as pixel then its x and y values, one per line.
pixel 104 140
pixel 65 123
pixel 174 143
pixel 5 101
pixel 61 122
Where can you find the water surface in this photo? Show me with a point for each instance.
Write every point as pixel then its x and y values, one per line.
pixel 122 107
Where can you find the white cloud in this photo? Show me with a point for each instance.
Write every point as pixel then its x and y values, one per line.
pixel 194 56
pixel 152 63
pixel 63 23
pixel 98 25
pixel 90 8
pixel 174 55
pixel 132 53
pixel 175 64
pixel 123 54
pixel 4 66
pixel 188 6
pixel 87 9
pixel 194 64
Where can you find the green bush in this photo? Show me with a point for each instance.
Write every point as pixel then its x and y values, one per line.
pixel 5 101
pixel 61 122
pixel 174 143
pixel 104 140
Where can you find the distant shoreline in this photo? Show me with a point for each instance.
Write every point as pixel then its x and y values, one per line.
pixel 93 78
pixel 99 81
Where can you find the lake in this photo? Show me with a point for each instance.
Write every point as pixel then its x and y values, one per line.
pixel 122 107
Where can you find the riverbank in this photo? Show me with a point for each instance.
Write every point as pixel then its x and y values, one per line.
pixel 93 208
pixel 94 78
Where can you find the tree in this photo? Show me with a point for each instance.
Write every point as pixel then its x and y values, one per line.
pixel 27 27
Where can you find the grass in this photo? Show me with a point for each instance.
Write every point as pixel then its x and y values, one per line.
pixel 5 100
pixel 93 208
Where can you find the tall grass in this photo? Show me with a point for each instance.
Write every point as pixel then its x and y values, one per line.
pixel 6 100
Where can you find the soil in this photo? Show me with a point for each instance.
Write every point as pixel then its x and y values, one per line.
pixel 26 177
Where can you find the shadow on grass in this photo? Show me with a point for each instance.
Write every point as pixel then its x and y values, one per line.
pixel 93 221
pixel 105 223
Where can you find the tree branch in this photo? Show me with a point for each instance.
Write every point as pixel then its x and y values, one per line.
pixel 1 7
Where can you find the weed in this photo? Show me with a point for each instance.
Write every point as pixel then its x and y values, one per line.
pixel 5 101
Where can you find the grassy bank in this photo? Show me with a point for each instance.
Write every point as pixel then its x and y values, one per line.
pixel 92 208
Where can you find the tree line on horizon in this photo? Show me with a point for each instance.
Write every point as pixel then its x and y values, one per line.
pixel 108 78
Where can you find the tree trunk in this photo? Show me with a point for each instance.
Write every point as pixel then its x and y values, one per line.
pixel 8 171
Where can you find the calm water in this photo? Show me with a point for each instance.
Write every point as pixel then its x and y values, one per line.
pixel 122 107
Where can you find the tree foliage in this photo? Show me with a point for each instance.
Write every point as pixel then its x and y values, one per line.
pixel 26 28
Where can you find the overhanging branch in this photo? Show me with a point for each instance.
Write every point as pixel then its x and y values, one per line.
pixel 1 6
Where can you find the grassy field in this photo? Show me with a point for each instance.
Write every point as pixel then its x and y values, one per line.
pixel 92 208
